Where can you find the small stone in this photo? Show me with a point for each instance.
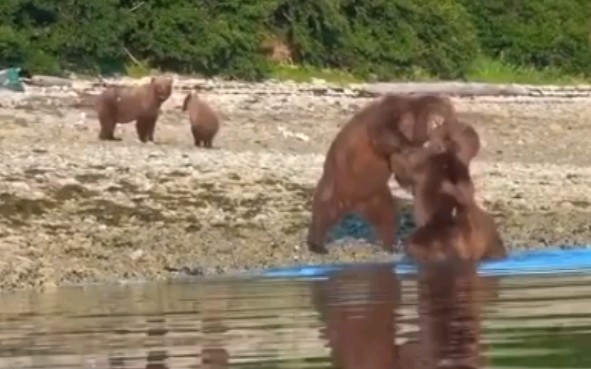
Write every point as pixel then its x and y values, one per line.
pixel 136 255
pixel 20 186
pixel 67 182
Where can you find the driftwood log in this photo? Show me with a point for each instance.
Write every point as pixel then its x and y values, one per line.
pixel 450 88
pixel 47 81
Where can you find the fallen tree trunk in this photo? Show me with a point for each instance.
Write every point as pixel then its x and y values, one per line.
pixel 449 88
pixel 46 81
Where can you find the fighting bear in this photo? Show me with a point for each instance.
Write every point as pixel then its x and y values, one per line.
pixel 450 223
pixel 357 166
pixel 461 137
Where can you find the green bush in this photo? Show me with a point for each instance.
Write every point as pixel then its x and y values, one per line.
pixel 13 47
pixel 485 69
pixel 383 39
pixel 66 35
pixel 16 49
pixel 207 36
pixel 539 33
pixel 89 34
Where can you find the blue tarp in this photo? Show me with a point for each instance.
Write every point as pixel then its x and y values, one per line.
pixel 10 79
pixel 527 262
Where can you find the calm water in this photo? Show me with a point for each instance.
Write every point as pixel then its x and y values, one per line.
pixel 357 318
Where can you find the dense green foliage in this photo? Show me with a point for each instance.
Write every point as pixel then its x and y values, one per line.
pixel 540 33
pixel 384 38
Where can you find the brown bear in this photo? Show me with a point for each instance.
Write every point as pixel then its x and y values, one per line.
pixel 462 138
pixel 357 166
pixel 204 121
pixel 124 104
pixel 450 224
pixel 467 142
pixel 450 301
pixel 357 307
pixel 422 117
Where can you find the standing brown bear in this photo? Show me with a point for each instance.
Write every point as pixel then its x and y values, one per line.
pixel 204 121
pixel 124 104
pixel 466 145
pixel 357 166
pixel 450 224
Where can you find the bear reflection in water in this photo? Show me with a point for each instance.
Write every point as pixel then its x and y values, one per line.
pixel 360 309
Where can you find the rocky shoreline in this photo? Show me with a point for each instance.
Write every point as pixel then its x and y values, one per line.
pixel 76 210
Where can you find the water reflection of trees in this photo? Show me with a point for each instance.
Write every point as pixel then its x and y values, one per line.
pixel 360 308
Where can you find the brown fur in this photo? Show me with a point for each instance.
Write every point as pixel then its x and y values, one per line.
pixel 419 119
pixel 204 121
pixel 450 224
pixel 467 142
pixel 357 308
pixel 436 114
pixel 123 104
pixel 213 312
pixel 461 138
pixel 450 301
pixel 358 167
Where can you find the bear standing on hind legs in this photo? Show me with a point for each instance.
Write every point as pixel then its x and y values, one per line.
pixel 357 166
pixel 463 140
pixel 450 224
pixel 124 104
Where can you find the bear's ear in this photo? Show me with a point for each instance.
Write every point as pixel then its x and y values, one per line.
pixel 153 80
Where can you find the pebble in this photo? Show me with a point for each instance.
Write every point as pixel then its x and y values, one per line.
pixel 210 193
pixel 136 255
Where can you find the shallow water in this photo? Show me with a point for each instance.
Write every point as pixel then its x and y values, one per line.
pixel 359 318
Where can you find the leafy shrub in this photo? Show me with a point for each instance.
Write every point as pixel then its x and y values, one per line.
pixel 207 36
pixel 540 33
pixel 384 37
pixel 381 39
pixel 13 47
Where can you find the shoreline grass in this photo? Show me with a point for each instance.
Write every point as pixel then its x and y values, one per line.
pixel 484 70
pixel 498 71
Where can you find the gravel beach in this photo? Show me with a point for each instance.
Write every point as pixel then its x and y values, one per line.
pixel 74 209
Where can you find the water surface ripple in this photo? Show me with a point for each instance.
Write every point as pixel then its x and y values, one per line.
pixel 360 317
